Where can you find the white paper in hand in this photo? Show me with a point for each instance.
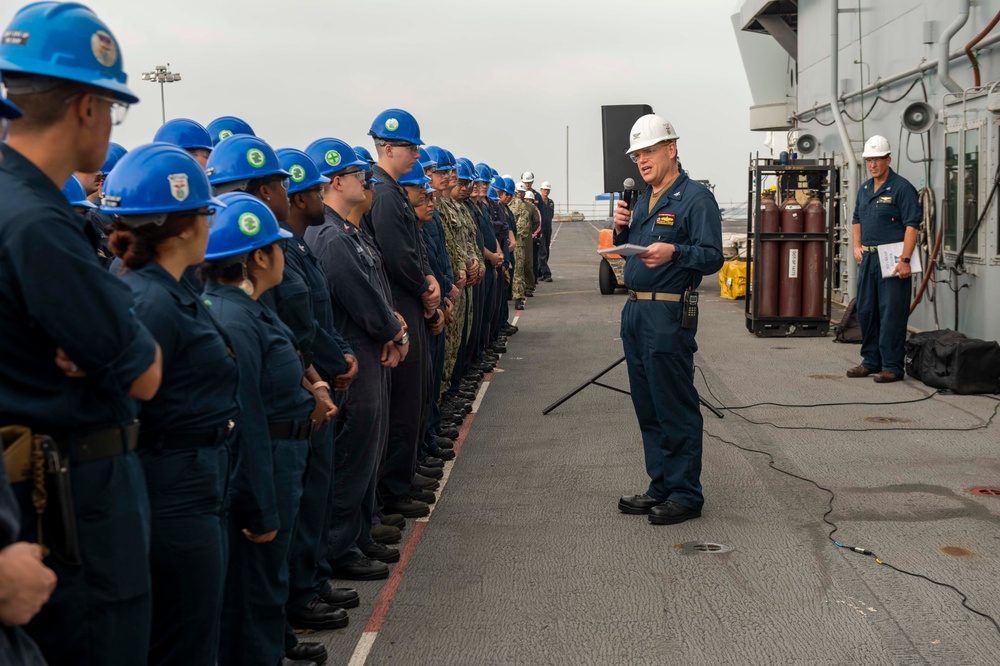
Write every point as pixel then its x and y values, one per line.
pixel 626 250
pixel 888 258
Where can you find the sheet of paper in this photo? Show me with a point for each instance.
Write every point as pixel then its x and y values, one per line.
pixel 888 258
pixel 626 250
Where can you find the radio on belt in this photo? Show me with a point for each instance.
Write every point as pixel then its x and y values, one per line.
pixel 689 309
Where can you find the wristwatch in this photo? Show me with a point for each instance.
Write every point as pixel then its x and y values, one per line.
pixel 405 340
pixel 905 260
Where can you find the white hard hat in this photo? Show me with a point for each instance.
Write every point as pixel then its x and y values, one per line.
pixel 546 185
pixel 519 187
pixel 877 146
pixel 648 131
pixel 530 196
pixel 527 177
pixel 507 175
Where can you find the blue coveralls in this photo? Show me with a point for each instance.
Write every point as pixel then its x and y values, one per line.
pixel 16 649
pixel 481 215
pixel 364 315
pixel 267 487
pixel 54 293
pixel 440 263
pixel 185 446
pixel 884 303
pixel 499 222
pixel 548 210
pixel 397 234
pixel 659 353
pixel 310 319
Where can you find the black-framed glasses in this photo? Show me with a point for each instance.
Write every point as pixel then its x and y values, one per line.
pixel 412 147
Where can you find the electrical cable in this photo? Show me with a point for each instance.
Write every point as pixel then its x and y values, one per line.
pixel 867 552
pixel 734 410
pixel 870 109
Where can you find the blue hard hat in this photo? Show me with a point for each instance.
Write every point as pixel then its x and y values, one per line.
pixel 415 176
pixel 226 126
pixel 244 157
pixel 156 178
pixel 302 171
pixel 116 151
pixel 465 169
pixel 331 156
pixel 440 158
pixel 492 194
pixel 363 153
pixel 483 174
pixel 508 186
pixel 246 224
pixel 75 194
pixel 396 125
pixel 425 160
pixel 64 40
pixel 184 133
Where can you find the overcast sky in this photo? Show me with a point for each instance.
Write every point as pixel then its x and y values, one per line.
pixel 493 81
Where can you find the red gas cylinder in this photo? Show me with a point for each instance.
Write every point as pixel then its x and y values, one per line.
pixel 768 263
pixel 790 280
pixel 814 259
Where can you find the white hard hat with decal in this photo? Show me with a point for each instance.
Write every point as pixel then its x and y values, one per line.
pixel 648 131
pixel 877 146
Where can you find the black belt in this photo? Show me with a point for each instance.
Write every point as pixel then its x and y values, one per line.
pixel 292 430
pixel 187 440
pixel 99 444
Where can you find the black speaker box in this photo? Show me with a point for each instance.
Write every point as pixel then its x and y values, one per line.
pixel 617 121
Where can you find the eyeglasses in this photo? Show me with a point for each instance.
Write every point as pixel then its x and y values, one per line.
pixel 281 243
pixel 645 151
pixel 874 160
pixel 208 214
pixel 412 147
pixel 360 175
pixel 465 183
pixel 118 109
pixel 369 185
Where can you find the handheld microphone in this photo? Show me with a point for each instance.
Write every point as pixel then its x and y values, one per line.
pixel 629 195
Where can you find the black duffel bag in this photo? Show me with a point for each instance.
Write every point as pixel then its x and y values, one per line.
pixel 949 360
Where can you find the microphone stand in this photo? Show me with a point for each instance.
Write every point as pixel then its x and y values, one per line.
pixel 593 380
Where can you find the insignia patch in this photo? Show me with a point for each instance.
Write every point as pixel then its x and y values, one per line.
pixel 179 186
pixel 255 156
pixel 332 157
pixel 225 134
pixel 298 174
pixel 392 124
pixel 104 48
pixel 249 224
pixel 665 218
pixel 885 199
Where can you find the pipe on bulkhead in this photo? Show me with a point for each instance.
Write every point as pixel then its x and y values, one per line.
pixel 845 139
pixel 944 60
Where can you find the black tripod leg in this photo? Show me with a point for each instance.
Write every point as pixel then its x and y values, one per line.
pixel 583 385
pixel 710 407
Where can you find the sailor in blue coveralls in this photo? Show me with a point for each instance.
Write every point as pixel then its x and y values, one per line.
pixel 679 221
pixel 75 357
pixel 888 211
pixel 363 313
pixel 163 206
pixel 244 259
pixel 28 582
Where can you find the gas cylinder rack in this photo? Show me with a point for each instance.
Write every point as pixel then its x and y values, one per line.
pixel 790 243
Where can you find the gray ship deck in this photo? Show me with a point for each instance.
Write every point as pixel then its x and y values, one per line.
pixel 525 559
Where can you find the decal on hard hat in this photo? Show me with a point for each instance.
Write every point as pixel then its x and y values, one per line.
pixel 392 124
pixel 103 46
pixel 255 156
pixel 297 173
pixel 17 37
pixel 225 134
pixel 332 157
pixel 249 224
pixel 179 186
